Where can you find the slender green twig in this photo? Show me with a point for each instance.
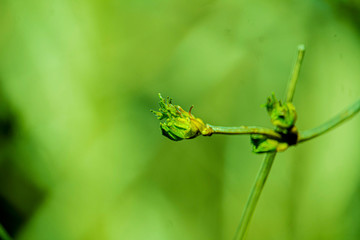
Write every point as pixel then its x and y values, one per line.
pixel 269 158
pixel 255 195
pixel 245 130
pixel 335 121
pixel 295 74
pixel 3 234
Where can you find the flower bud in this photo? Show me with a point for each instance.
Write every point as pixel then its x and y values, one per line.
pixel 179 124
pixel 282 116
pixel 263 144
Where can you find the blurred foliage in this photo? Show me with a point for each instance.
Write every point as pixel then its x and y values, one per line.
pixel 82 157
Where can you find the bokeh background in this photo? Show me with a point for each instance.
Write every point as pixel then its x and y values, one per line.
pixel 82 157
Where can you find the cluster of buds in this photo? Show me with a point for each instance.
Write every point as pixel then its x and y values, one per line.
pixel 283 117
pixel 179 124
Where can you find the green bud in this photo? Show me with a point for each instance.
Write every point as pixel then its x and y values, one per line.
pixel 262 144
pixel 179 124
pixel 282 116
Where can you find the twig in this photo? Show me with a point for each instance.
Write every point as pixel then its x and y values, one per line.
pixel 335 121
pixel 295 74
pixel 269 158
pixel 255 195
pixel 245 130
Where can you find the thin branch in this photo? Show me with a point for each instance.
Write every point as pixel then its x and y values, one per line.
pixel 245 130
pixel 295 74
pixel 3 234
pixel 335 121
pixel 269 158
pixel 255 195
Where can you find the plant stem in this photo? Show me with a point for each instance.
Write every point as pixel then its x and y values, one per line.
pixel 269 157
pixel 255 195
pixel 3 234
pixel 335 121
pixel 245 130
pixel 295 74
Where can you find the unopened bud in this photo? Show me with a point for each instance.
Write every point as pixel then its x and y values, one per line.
pixel 263 144
pixel 179 124
pixel 282 116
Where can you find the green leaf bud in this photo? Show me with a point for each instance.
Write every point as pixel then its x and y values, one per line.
pixel 263 144
pixel 282 116
pixel 179 124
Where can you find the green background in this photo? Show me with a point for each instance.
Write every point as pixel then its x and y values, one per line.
pixel 82 157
